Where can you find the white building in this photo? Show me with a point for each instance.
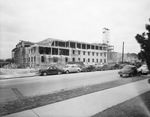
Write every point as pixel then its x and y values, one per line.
pixel 54 51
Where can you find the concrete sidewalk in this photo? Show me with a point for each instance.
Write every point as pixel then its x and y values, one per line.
pixel 3 77
pixel 89 104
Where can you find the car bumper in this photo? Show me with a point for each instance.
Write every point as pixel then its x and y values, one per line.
pixel 123 74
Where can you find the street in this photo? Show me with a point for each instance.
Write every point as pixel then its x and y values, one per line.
pixel 45 84
pixel 19 88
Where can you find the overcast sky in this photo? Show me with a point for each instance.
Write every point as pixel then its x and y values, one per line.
pixel 81 20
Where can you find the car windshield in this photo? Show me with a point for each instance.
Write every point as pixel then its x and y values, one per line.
pixel 143 66
pixel 128 67
pixel 49 67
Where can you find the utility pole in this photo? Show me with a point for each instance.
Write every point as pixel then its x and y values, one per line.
pixel 122 52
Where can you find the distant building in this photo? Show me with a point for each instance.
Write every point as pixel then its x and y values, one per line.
pixel 112 57
pixel 128 57
pixel 53 51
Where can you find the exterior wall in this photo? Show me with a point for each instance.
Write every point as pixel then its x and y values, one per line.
pixel 44 60
pixel 20 53
pixel 33 57
pixel 19 56
pixel 87 56
pixel 112 57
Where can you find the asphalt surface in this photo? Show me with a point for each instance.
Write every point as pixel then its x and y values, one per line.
pixel 91 104
pixel 39 85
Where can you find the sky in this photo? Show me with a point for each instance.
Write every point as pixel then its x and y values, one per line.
pixel 78 20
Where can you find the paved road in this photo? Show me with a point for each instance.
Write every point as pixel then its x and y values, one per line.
pixel 41 85
pixel 90 104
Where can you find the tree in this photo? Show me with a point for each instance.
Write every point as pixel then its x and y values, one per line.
pixel 144 41
pixel 140 56
pixel 9 60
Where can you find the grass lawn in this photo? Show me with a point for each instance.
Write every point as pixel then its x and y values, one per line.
pixel 136 107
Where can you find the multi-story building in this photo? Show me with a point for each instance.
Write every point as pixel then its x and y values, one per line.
pixel 54 51
pixel 20 53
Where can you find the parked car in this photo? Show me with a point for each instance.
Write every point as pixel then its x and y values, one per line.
pixel 128 70
pixel 143 69
pixel 50 70
pixel 71 68
pixel 89 68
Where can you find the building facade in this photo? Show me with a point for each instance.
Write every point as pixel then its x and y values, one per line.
pixel 20 53
pixel 53 51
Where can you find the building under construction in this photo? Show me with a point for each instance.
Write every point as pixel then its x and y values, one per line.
pixel 54 51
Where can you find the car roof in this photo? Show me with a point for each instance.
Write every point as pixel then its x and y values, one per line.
pixel 129 66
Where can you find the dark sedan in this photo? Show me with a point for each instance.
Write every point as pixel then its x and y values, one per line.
pixel 50 70
pixel 89 68
pixel 128 70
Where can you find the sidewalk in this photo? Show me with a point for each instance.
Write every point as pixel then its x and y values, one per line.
pixel 89 104
pixel 3 77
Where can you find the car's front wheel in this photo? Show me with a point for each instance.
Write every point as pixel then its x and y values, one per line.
pixel 67 72
pixel 44 74
pixel 59 73
pixel 131 75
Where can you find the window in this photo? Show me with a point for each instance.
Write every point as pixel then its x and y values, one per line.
pixel 88 46
pixel 83 59
pixel 83 46
pixel 42 59
pixel 101 54
pixel 93 47
pixel 72 44
pixel 97 60
pixel 105 54
pixel 54 51
pixel 73 59
pixel 93 60
pixel 64 52
pixel 104 48
pixel 101 60
pixel 88 53
pixel 83 52
pixel 78 45
pixel 78 59
pixel 97 54
pixel 66 59
pixel 34 59
pixel 73 52
pixel 41 50
pixel 55 59
pixel 88 60
pixel 31 59
pixel 49 59
pixel 79 52
pixel 93 53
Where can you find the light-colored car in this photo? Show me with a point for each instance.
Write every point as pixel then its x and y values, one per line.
pixel 71 68
pixel 143 69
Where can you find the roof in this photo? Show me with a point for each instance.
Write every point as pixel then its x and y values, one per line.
pixel 49 41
